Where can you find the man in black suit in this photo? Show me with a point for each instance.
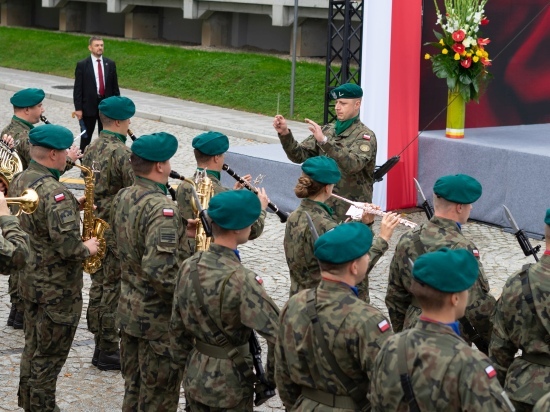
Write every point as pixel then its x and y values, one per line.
pixel 95 78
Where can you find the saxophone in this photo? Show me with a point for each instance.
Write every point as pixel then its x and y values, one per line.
pixel 92 226
pixel 205 191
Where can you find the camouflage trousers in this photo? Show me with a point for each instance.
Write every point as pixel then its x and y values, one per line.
pixel 49 333
pixel 102 307
pixel 152 380
pixel 244 406
pixel 15 299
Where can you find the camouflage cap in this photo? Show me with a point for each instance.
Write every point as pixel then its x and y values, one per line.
pixel 51 136
pixel 117 107
pixel 547 218
pixel 27 97
pixel 234 209
pixel 156 147
pixel 447 270
pixel 459 188
pixel 211 143
pixel 322 169
pixel 344 243
pixel 346 91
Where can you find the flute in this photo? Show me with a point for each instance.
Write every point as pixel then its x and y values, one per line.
pixel 282 215
pixel 374 211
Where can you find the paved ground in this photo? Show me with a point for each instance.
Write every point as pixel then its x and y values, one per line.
pixel 82 387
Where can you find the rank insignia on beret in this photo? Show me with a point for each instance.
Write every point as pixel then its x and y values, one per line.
pixel 59 197
pixel 168 212
pixel 383 326
pixel 490 371
pixel 366 137
pixel 259 280
pixel 476 253
pixel 364 148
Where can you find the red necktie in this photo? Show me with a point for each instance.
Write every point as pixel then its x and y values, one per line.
pixel 100 75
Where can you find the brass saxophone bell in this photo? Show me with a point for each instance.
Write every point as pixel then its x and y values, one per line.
pixel 28 201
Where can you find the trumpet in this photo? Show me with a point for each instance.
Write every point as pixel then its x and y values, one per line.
pixel 28 201
pixel 373 211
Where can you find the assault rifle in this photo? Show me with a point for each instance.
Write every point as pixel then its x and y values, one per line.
pixel 262 389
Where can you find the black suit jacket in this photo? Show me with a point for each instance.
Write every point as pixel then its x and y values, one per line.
pixel 85 88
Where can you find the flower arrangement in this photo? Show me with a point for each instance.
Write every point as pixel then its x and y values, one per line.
pixel 462 59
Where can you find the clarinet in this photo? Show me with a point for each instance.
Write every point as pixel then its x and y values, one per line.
pixel 173 174
pixel 282 215
pixel 43 118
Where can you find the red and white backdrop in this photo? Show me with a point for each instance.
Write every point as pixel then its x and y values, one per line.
pixel 402 95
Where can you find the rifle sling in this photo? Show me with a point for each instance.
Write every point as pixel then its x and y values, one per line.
pixel 405 377
pixel 526 288
pixel 236 354
pixel 358 396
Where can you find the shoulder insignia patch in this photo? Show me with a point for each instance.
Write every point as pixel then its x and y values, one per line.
pixel 383 326
pixel 366 137
pixel 490 371
pixel 476 253
pixel 168 212
pixel 259 280
pixel 364 148
pixel 59 197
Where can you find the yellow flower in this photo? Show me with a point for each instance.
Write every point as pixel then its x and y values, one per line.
pixel 479 53
pixel 469 54
pixel 427 56
pixel 445 51
pixel 442 42
pixel 485 54
pixel 457 56
pixel 475 59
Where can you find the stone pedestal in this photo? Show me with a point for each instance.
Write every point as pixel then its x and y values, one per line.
pixel 216 30
pixel 15 13
pixel 72 17
pixel 141 24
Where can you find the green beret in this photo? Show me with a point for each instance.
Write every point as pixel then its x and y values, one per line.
pixel 346 91
pixel 461 189
pixel 156 147
pixel 234 209
pixel 547 218
pixel 344 243
pixel 211 143
pixel 27 97
pixel 447 270
pixel 322 169
pixel 117 108
pixel 51 136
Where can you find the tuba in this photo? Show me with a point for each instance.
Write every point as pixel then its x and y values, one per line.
pixel 205 192
pixel 10 164
pixel 92 226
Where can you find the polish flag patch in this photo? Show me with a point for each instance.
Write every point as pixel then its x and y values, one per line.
pixel 168 212
pixel 490 371
pixel 383 326
pixel 476 253
pixel 259 280
pixel 366 137
pixel 59 197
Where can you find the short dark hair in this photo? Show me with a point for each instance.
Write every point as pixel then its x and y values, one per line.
pixel 140 166
pixel 333 268
pixel 428 297
pixel 106 121
pixel 200 157
pixel 94 38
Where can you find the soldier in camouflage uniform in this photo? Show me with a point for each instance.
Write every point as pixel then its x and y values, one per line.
pixel 150 236
pixel 521 321
pixel 110 156
pixel 348 141
pixel 453 196
pixel 314 187
pixel 234 304
pixel 14 242
pixel 308 378
pixel 430 367
pixel 51 282
pixel 209 149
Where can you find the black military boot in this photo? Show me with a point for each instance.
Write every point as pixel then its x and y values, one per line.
pixel 109 361
pixel 18 320
pixel 95 357
pixel 11 317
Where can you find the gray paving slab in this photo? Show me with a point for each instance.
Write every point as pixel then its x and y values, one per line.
pixel 83 388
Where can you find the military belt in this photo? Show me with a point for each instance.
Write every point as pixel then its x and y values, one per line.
pixel 537 358
pixel 328 399
pixel 219 352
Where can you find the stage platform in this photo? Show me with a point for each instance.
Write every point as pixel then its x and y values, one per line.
pixel 510 162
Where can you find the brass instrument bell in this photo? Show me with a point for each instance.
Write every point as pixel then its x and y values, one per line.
pixel 28 201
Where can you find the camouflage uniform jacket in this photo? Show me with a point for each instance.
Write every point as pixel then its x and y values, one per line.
pixel 355 152
pixel 111 157
pixel 237 303
pixel 354 332
pixel 516 327
pixel 298 243
pixel 14 245
pixel 149 234
pixel 184 197
pixel 434 235
pixel 19 129
pixel 543 404
pixel 446 374
pixel 54 270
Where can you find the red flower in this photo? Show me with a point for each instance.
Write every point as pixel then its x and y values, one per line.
pixel 485 61
pixel 459 48
pixel 483 42
pixel 484 21
pixel 459 35
pixel 466 63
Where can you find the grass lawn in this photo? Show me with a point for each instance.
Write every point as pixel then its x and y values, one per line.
pixel 242 81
